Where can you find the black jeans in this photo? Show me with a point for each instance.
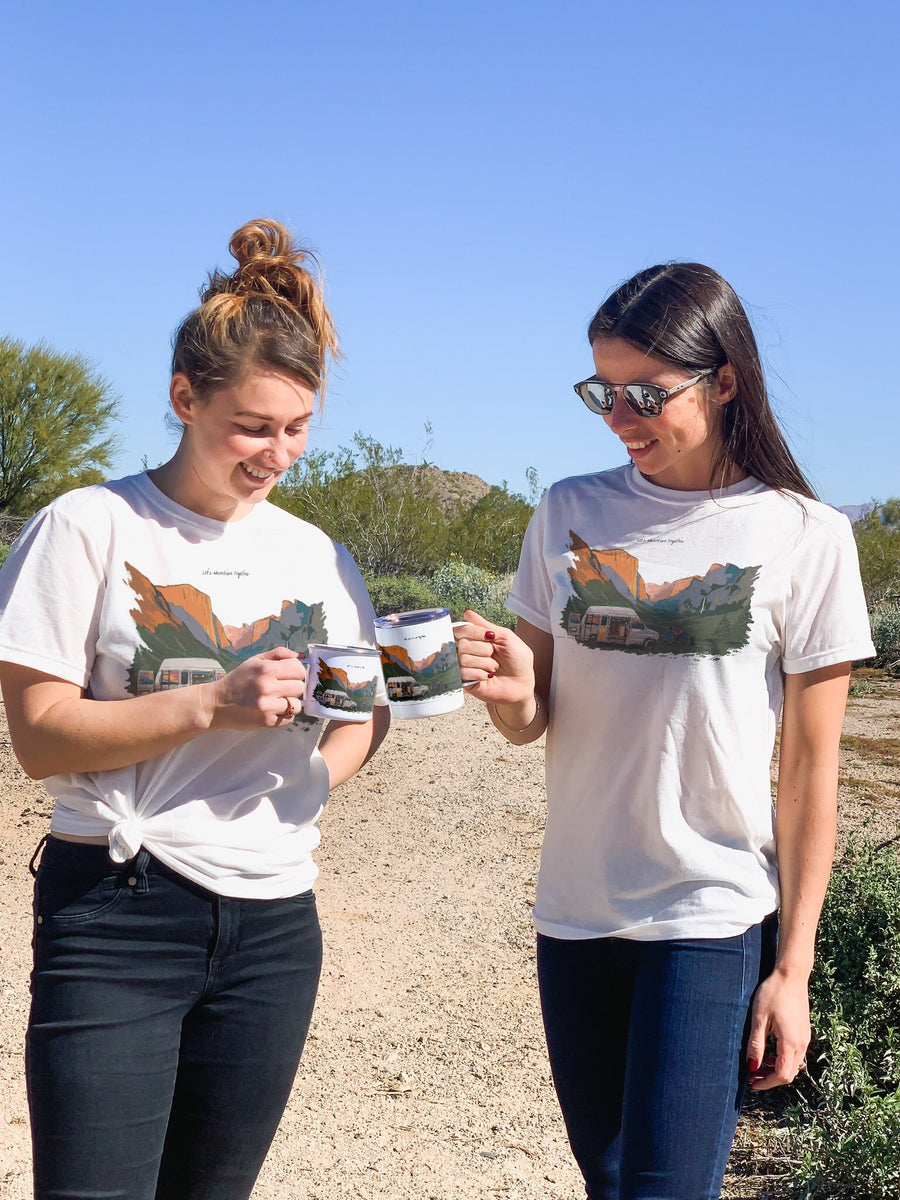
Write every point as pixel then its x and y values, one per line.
pixel 646 1046
pixel 166 1028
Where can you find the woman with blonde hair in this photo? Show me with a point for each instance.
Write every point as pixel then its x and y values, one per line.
pixel 151 636
pixel 671 610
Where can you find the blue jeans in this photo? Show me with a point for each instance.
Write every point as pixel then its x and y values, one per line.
pixel 166 1028
pixel 646 1043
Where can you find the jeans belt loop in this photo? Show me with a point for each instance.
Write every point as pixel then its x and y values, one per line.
pixel 34 864
pixel 137 870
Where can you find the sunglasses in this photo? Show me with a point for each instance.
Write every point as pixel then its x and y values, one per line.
pixel 644 399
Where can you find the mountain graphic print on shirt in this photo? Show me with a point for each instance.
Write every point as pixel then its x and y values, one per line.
pixel 184 642
pixel 612 607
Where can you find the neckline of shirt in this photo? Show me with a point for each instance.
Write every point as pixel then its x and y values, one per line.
pixel 187 516
pixel 642 486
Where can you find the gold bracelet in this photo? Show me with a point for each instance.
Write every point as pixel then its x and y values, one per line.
pixel 509 728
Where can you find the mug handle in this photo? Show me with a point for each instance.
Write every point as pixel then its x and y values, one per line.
pixel 466 682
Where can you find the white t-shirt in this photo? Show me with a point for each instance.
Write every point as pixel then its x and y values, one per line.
pixel 123 592
pixel 673 615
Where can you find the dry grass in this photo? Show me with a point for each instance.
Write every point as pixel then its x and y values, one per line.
pixel 885 750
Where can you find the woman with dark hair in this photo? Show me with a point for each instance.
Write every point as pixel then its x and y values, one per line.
pixel 670 611
pixel 151 633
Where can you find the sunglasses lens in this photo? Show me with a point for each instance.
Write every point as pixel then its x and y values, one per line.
pixel 644 399
pixel 597 396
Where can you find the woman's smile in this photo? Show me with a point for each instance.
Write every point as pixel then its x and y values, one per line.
pixel 677 449
pixel 264 413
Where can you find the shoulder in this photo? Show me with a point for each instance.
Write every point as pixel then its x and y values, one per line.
pixel 279 521
pixel 74 505
pixel 811 522
pixel 575 487
pixel 88 510
pixel 303 536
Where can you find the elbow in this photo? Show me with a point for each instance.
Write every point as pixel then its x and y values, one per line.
pixel 33 769
pixel 33 762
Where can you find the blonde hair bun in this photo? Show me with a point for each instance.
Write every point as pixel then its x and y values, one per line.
pixel 270 264
pixel 270 311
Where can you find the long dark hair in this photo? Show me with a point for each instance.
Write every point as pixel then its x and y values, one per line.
pixel 688 315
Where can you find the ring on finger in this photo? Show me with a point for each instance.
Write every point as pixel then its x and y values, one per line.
pixel 288 713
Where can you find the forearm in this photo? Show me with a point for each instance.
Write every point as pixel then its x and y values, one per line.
pixel 805 828
pixel 348 745
pixel 81 735
pixel 805 822
pixel 806 811
pixel 55 729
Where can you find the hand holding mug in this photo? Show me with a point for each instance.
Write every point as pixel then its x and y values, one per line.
pixel 494 661
pixel 263 692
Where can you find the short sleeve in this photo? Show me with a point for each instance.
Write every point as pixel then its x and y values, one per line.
pixel 51 596
pixel 531 594
pixel 358 622
pixel 357 626
pixel 826 620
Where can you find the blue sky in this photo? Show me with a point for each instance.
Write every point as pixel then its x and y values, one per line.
pixel 476 178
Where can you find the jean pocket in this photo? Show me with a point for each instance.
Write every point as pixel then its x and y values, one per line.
pixel 73 894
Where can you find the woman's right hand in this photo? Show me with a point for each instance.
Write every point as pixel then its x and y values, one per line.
pixel 496 659
pixel 259 693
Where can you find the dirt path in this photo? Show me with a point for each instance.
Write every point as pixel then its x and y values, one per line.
pixel 425 1076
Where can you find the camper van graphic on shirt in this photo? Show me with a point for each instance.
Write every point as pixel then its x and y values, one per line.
pixel 184 642
pixel 612 607
pixel 179 672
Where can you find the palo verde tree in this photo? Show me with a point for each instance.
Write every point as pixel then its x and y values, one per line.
pixel 55 419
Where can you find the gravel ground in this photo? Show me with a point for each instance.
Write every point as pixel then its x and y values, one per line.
pixel 425 1074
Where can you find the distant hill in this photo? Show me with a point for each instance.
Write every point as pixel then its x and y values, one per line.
pixel 855 512
pixel 455 490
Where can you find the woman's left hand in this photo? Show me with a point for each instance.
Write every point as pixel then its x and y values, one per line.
pixel 781 1013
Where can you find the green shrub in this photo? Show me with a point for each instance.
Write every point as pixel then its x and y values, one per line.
pixel 858 949
pixel 401 593
pixel 387 513
pixel 885 621
pixel 878 542
pixel 459 586
pixel 4 551
pixel 845 1131
pixel 489 533
pixel 861 686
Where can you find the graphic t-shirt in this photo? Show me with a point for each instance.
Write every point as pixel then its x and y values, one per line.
pixel 121 591
pixel 673 616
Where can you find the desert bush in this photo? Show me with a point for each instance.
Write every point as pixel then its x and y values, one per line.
pixel 489 533
pixel 401 593
pixel 845 1130
pixel 885 621
pixel 861 685
pixel 386 513
pixel 878 542
pixel 459 585
pixel 397 517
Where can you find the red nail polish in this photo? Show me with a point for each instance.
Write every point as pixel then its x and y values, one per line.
pixel 753 1064
pixel 491 674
